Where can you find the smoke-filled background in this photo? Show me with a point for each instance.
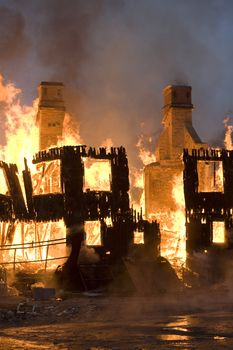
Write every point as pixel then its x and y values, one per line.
pixel 116 56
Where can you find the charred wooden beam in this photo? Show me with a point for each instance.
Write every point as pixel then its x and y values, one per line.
pixel 205 208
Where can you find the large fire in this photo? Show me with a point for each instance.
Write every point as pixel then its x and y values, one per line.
pixel 30 240
pixel 40 245
pixel 172 223
pixel 20 241
pixel 172 228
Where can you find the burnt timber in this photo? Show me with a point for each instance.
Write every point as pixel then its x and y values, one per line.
pixel 205 208
pixel 75 206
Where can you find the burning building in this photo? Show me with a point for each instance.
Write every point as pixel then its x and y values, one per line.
pixel 198 211
pixel 164 199
pixel 81 195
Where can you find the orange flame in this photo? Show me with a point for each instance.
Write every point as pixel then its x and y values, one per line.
pixel 136 174
pixel 228 134
pixel 22 140
pixel 20 130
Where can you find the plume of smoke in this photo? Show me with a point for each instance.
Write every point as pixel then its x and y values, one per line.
pixel 13 39
pixel 88 255
pixel 116 56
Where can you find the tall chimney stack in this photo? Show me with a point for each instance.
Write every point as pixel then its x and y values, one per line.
pixel 51 113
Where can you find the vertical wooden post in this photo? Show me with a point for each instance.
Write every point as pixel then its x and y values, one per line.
pixel 14 259
pixel 47 252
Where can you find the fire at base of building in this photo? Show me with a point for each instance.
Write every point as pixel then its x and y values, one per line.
pixel 116 225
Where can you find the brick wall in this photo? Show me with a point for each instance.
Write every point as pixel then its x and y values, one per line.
pixel 178 133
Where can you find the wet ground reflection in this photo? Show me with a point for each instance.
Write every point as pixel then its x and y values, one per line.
pixel 199 331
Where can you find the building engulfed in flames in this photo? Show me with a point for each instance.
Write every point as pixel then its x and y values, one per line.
pixel 74 194
pixel 197 218
pixel 78 197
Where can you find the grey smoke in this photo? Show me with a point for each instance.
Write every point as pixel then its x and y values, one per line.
pixel 13 39
pixel 115 57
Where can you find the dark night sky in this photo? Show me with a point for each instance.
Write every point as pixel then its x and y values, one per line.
pixel 116 56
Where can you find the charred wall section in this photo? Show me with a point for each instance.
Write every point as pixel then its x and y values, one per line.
pixel 77 205
pixel 208 212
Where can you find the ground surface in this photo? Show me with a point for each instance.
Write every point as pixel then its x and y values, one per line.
pixel 104 323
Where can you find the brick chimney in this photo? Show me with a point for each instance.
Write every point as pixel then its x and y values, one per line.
pixel 178 130
pixel 178 133
pixel 51 113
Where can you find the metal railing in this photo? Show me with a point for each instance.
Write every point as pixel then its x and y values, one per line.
pixel 32 245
